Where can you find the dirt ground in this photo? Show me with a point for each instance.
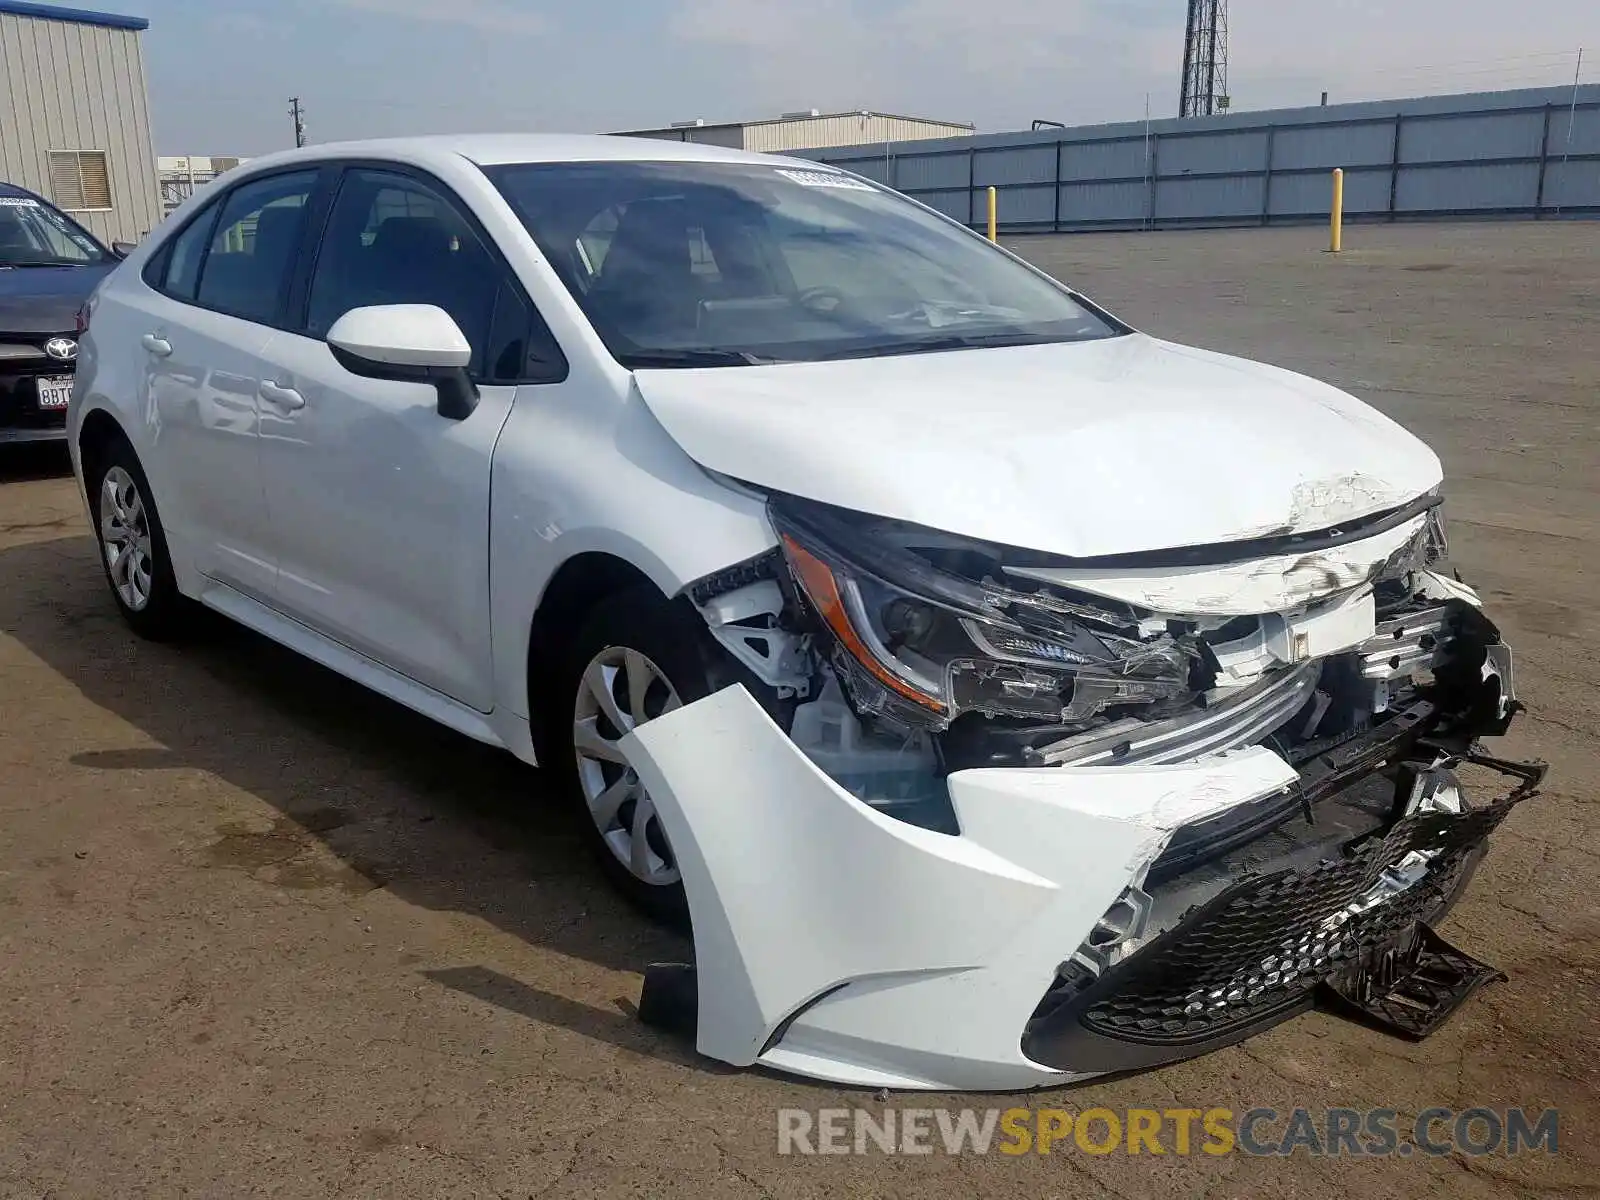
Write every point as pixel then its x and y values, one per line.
pixel 264 933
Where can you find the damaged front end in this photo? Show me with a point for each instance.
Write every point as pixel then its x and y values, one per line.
pixel 992 819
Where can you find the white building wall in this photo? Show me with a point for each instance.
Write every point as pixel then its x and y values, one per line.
pixel 729 137
pixel 808 132
pixel 851 129
pixel 182 175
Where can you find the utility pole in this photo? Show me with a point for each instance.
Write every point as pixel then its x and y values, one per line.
pixel 299 115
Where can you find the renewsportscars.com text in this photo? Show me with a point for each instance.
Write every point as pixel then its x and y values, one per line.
pixel 1261 1132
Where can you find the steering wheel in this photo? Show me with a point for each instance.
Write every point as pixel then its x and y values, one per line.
pixel 821 299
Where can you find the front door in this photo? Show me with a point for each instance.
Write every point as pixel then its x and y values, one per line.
pixel 380 505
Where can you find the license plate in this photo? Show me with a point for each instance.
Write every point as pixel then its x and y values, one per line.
pixel 54 391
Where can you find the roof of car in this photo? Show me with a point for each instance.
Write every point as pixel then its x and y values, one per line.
pixel 12 190
pixel 496 149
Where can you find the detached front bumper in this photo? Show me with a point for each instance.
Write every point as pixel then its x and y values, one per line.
pixel 835 942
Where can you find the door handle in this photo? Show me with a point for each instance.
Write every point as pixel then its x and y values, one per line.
pixel 283 397
pixel 156 344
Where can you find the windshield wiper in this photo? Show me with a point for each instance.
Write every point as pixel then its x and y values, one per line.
pixel 971 341
pixel 645 359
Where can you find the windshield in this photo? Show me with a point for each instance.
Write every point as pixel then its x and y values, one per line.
pixel 35 235
pixel 712 264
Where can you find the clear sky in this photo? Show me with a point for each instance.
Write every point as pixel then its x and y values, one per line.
pixel 221 71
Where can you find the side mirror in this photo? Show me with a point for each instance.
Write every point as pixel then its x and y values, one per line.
pixel 123 249
pixel 413 343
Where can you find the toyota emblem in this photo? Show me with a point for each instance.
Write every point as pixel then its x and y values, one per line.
pixel 63 348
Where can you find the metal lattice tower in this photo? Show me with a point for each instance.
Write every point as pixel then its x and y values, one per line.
pixel 1205 60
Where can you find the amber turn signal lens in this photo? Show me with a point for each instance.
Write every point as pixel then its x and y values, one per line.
pixel 817 579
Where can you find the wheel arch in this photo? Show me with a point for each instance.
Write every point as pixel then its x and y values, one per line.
pixel 581 582
pixel 98 431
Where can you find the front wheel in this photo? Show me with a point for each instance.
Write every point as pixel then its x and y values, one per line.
pixel 637 657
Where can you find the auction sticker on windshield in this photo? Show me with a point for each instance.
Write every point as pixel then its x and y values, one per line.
pixel 17 202
pixel 825 179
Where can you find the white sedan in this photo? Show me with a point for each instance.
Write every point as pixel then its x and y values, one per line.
pixel 1004 696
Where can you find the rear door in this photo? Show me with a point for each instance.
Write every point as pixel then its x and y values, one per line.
pixel 219 291
pixel 380 505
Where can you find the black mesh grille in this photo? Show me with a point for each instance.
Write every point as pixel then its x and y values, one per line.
pixel 1264 944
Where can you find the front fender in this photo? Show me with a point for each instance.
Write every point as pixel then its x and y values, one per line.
pixel 566 483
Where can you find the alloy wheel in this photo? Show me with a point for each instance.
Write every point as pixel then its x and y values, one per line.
pixel 620 690
pixel 125 539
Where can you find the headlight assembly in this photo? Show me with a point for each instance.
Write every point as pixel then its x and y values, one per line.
pixel 943 644
pixel 1428 549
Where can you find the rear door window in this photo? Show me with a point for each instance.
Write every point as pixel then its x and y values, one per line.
pixel 251 254
pixel 183 258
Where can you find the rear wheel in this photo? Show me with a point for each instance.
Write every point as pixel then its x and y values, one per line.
pixel 133 546
pixel 637 658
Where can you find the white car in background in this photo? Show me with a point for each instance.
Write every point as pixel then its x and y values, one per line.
pixel 1006 696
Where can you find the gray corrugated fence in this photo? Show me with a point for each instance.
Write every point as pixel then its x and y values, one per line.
pixel 1502 154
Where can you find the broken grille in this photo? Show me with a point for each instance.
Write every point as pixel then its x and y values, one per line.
pixel 1264 944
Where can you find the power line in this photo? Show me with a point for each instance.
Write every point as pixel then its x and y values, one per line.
pixel 502 114
pixel 1519 66
pixel 1521 70
pixel 1544 70
pixel 1504 58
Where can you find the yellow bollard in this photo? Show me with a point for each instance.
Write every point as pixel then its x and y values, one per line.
pixel 1337 221
pixel 994 214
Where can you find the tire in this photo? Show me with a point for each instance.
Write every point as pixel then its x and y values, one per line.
pixel 636 633
pixel 133 545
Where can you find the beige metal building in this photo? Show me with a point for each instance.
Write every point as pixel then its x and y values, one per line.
pixel 810 130
pixel 75 115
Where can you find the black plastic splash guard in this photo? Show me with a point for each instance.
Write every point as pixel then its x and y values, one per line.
pixel 1410 988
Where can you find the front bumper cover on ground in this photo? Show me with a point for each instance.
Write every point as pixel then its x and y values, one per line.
pixel 835 942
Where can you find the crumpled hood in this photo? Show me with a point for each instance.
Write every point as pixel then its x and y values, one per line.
pixel 1080 449
pixel 46 299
